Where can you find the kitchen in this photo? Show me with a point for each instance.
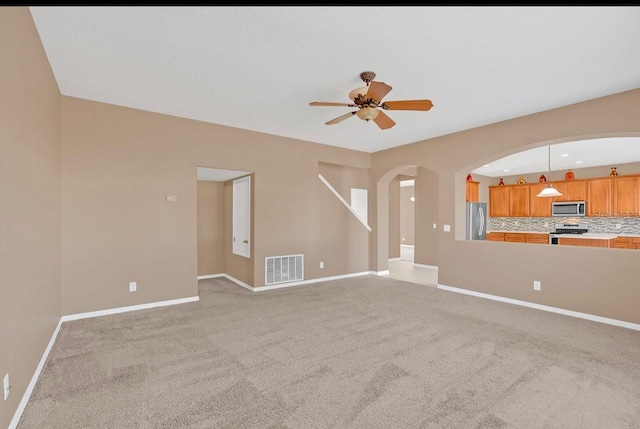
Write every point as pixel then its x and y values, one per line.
pixel 599 205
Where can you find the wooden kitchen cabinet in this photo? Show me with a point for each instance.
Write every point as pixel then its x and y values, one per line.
pixel 472 191
pixel 599 193
pixel 537 238
pixel 515 237
pixel 495 236
pixel 499 201
pixel 588 242
pixel 539 206
pixel 626 195
pixel 626 243
pixel 571 190
pixel 519 200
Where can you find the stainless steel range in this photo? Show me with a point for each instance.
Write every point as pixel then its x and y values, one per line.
pixel 567 228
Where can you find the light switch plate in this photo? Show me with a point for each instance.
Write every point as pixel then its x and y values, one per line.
pixel 172 198
pixel 133 286
pixel 446 228
pixel 435 226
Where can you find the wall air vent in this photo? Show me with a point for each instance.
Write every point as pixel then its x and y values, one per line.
pixel 283 269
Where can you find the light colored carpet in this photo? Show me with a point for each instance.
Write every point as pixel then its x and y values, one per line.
pixel 365 352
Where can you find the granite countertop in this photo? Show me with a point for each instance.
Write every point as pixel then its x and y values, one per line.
pixel 599 236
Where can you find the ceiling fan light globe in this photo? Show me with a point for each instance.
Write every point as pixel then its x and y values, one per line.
pixel 367 113
pixel 358 91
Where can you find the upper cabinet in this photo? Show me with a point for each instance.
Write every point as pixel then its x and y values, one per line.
pixel 573 190
pixel 539 207
pixel 472 191
pixel 599 197
pixel 605 196
pixel 626 195
pixel 499 201
pixel 519 200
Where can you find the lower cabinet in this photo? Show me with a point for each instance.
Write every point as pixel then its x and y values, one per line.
pixel 519 237
pixel 626 243
pixel 588 242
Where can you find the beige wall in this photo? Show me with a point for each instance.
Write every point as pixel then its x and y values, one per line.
pixel 120 163
pixel 30 207
pixel 407 215
pixel 602 282
pixel 394 219
pixel 211 227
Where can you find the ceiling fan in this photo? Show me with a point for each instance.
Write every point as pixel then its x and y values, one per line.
pixel 368 100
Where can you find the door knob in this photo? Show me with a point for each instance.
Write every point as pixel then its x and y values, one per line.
pixel 245 241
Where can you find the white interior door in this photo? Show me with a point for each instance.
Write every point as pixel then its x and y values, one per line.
pixel 242 216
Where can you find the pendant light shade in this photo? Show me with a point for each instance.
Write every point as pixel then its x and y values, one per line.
pixel 549 191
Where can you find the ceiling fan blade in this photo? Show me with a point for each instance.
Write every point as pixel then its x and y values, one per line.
pixel 408 105
pixel 377 90
pixel 383 121
pixel 323 103
pixel 341 118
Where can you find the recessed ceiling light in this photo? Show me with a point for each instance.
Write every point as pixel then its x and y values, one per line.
pixel 565 154
pixel 506 169
pixel 578 162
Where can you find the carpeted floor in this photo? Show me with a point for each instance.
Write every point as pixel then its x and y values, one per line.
pixel 366 352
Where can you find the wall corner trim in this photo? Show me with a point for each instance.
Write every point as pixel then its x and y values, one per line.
pixel 34 379
pixel 592 317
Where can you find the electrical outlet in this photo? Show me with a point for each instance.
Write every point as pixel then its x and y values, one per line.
pixel 133 286
pixel 618 225
pixel 321 264
pixel 6 386
pixel 435 226
pixel 546 224
pixel 172 198
pixel 517 223
pixel 537 285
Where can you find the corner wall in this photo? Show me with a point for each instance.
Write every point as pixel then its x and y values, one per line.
pixel 600 282
pixel 30 208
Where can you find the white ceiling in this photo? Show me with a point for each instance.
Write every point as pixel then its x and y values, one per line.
pixel 566 156
pixel 258 68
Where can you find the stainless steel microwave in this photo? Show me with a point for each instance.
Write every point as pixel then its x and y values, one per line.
pixel 569 208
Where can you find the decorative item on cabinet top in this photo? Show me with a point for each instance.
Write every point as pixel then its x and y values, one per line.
pixel 614 171
pixel 542 178
pixel 521 181
pixel 568 175
pixel 469 178
pixel 501 183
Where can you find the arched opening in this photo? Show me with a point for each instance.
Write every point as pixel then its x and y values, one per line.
pixel 425 252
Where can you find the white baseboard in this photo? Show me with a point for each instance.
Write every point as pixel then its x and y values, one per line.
pixel 240 283
pixel 380 273
pixel 394 259
pixel 571 313
pixel 34 379
pixel 129 308
pixel 431 267
pixel 210 276
pixel 311 281
pixel 407 245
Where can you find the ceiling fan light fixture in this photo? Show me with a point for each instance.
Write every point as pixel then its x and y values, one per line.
pixel 367 113
pixel 358 91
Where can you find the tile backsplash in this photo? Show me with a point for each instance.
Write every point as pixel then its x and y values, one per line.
pixel 628 225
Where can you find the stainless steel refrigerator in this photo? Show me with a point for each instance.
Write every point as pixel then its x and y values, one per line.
pixel 476 221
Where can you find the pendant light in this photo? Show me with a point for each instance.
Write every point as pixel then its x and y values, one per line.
pixel 549 191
